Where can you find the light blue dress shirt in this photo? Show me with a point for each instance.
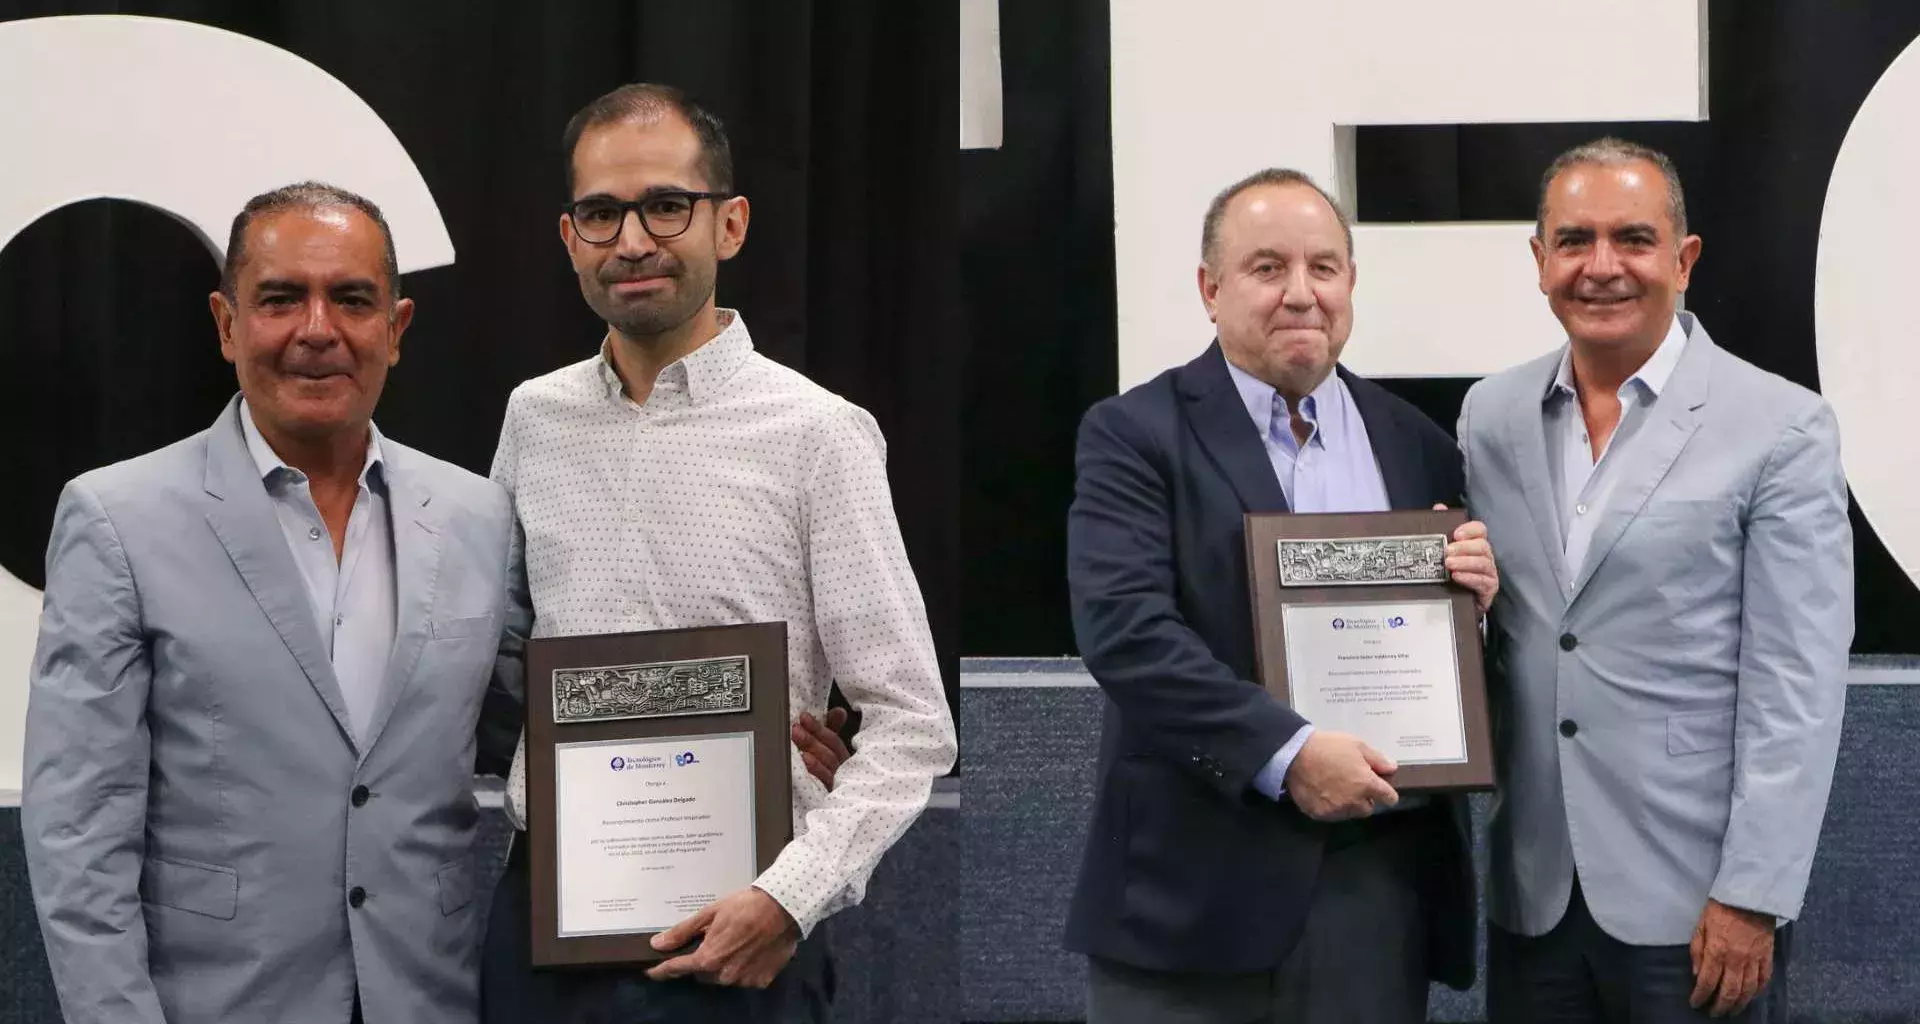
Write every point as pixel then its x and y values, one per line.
pixel 1582 484
pixel 1334 471
pixel 353 599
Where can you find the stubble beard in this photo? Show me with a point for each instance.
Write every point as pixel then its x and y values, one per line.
pixel 654 318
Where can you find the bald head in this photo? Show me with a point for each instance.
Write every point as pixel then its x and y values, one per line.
pixel 1272 176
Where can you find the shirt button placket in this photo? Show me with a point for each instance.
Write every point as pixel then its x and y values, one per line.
pixel 632 571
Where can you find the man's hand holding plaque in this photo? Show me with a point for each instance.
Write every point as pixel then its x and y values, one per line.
pixel 1470 562
pixel 1336 776
pixel 745 938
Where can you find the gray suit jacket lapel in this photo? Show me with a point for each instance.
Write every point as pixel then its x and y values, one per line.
pixel 243 518
pixel 416 571
pixel 1529 427
pixel 1671 422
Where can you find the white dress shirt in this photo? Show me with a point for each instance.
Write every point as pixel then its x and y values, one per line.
pixel 740 491
pixel 1583 484
pixel 353 598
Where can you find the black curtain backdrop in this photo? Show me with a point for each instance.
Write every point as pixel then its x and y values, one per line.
pixel 844 120
pixel 1037 267
pixel 1785 80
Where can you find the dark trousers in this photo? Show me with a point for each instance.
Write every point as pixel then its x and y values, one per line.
pixel 1361 958
pixel 1578 974
pixel 512 992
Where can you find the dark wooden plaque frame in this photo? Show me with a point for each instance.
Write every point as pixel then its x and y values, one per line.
pixel 765 644
pixel 1264 531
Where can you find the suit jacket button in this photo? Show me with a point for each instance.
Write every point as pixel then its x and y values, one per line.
pixel 1567 727
pixel 360 796
pixel 1568 641
pixel 356 897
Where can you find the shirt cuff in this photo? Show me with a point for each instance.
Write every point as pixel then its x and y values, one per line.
pixel 796 887
pixel 1272 780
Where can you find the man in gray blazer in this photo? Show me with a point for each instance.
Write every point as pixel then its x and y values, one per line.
pixel 1670 642
pixel 250 733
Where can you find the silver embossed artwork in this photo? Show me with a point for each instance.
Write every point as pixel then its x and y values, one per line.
pixel 658 690
pixel 1363 560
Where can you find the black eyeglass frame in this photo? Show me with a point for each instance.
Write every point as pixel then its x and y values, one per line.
pixel 634 207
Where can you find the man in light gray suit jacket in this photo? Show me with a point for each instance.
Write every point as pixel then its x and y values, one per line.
pixel 1670 642
pixel 250 733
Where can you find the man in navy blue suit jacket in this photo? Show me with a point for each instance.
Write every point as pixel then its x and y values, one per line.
pixel 1242 865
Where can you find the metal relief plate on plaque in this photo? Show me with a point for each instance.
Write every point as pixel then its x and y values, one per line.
pixel 1363 561
pixel 662 689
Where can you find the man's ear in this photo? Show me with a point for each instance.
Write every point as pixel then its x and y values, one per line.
pixel 732 226
pixel 1209 289
pixel 223 312
pixel 402 317
pixel 1689 255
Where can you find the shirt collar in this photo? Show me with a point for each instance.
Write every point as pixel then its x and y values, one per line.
pixel 1652 374
pixel 1259 396
pixel 268 463
pixel 699 374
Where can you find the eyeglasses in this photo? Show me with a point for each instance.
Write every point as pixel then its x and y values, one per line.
pixel 598 219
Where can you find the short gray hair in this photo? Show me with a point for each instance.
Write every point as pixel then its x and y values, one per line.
pixel 1217 210
pixel 1612 152
pixel 305 195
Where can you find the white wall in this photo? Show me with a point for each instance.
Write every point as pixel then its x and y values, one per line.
pixel 167 113
pixel 1207 91
pixel 1865 317
pixel 980 123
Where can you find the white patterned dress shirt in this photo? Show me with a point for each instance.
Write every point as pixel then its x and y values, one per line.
pixel 740 491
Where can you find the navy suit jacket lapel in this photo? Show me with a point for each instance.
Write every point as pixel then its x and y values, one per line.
pixel 1220 422
pixel 1396 446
